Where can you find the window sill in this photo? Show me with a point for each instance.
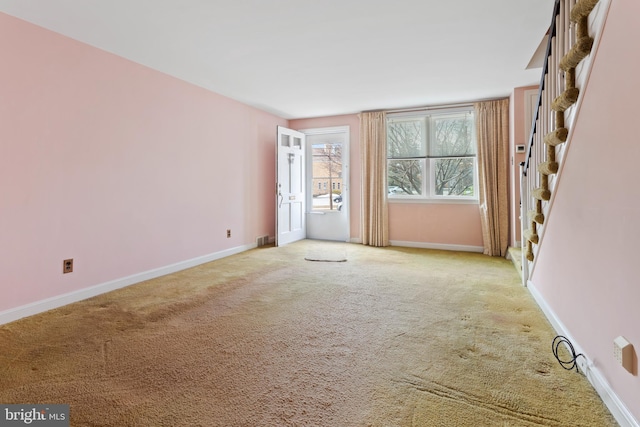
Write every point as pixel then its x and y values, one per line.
pixel 434 201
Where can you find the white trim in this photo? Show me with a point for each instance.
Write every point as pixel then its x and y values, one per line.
pixel 530 106
pixel 617 408
pixel 327 130
pixel 441 201
pixel 416 112
pixel 440 246
pixel 61 300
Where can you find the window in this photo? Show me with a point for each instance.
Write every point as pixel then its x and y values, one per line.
pixel 432 155
pixel 326 170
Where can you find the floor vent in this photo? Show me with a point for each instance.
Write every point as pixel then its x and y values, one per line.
pixel 262 241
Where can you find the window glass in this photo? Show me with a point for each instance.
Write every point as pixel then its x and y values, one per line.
pixel 432 155
pixel 327 172
pixel 405 138
pixel 405 177
pixel 452 135
pixel 454 176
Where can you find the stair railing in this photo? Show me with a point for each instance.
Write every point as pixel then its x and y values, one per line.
pixel 568 44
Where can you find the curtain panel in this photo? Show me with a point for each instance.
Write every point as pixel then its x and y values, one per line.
pixel 492 127
pixel 373 144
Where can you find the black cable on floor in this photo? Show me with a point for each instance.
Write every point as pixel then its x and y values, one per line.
pixel 566 364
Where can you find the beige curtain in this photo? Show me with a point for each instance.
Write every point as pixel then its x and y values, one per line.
pixel 492 126
pixel 373 145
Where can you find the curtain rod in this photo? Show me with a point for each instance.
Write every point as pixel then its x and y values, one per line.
pixel 434 107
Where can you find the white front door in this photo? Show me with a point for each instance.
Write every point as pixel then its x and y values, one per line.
pixel 328 183
pixel 290 187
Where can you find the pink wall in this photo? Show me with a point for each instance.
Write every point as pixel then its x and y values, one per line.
pixel 120 167
pixel 586 266
pixel 434 223
pixel 442 224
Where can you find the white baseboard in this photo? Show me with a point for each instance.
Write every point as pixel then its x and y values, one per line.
pixel 444 247
pixel 617 408
pixel 60 300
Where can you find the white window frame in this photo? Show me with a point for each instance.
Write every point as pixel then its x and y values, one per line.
pixel 427 163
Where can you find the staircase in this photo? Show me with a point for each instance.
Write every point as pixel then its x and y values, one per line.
pixel 574 31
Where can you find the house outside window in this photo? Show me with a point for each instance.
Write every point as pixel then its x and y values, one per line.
pixel 327 173
pixel 327 168
pixel 431 155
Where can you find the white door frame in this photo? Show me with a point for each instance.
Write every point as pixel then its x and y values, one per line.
pixel 330 219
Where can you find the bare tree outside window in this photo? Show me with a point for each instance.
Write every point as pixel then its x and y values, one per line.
pixel 445 141
pixel 454 141
pixel 327 174
pixel 405 142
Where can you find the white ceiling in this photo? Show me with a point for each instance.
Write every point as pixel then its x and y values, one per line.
pixel 309 58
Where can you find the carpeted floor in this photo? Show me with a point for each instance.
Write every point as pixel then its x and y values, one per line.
pixel 390 337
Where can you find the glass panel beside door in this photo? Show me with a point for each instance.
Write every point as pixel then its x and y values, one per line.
pixel 326 181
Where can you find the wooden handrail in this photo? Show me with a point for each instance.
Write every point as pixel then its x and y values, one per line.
pixel 545 70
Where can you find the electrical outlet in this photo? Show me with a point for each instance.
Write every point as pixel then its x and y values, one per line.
pixel 67 266
pixel 623 353
pixel 228 233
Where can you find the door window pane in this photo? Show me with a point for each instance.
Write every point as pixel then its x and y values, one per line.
pixel 327 176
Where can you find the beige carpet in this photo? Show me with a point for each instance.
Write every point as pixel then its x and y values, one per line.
pixel 327 253
pixel 391 337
